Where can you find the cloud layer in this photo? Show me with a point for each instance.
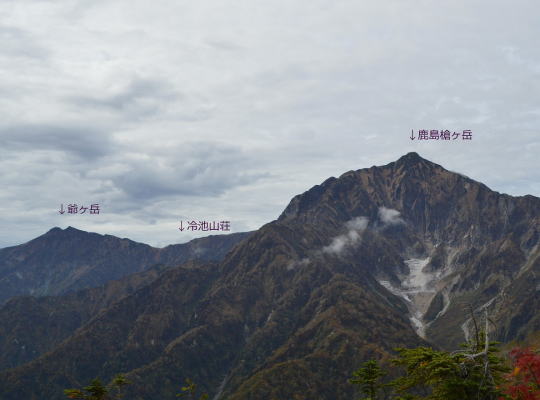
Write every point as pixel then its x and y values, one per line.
pixel 228 109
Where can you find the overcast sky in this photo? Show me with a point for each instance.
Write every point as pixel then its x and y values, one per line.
pixel 224 110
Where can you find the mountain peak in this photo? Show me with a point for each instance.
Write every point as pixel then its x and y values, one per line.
pixel 57 230
pixel 411 158
pixel 383 182
pixel 416 165
pixel 72 229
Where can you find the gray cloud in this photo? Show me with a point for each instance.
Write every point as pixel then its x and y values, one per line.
pixel 19 43
pixel 82 142
pixel 193 169
pixel 139 98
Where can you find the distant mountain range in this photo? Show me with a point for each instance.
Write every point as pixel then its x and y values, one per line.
pixel 65 260
pixel 396 255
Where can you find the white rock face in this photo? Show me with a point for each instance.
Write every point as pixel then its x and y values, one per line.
pixel 417 280
pixel 417 288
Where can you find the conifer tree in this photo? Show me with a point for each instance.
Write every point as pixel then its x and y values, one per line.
pixel 368 377
pixel 96 390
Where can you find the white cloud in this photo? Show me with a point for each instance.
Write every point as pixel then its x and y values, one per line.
pixel 340 243
pixel 389 216
pixel 293 264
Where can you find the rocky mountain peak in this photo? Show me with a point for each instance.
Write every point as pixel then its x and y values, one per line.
pixel 381 185
pixel 57 231
pixel 415 166
pixel 411 158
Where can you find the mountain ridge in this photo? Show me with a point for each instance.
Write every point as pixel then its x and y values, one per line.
pixel 351 269
pixel 63 260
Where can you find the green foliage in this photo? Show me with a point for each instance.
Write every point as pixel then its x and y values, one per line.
pixel 368 377
pixel 474 373
pixel 96 390
pixel 190 390
pixel 439 375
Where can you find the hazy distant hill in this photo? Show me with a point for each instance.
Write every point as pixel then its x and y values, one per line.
pixel 377 258
pixel 30 326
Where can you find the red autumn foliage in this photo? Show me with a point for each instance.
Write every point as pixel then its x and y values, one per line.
pixel 523 383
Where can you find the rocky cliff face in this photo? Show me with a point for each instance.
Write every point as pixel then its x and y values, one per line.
pixel 377 258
